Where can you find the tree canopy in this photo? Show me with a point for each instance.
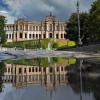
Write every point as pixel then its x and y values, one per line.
pixel 89 23
pixel 2 31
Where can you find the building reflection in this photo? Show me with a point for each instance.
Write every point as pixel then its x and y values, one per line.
pixel 23 75
pixel 83 77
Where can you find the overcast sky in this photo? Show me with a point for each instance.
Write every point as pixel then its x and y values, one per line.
pixel 37 9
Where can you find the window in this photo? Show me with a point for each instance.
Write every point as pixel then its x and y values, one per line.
pixel 50 35
pixel 44 35
pixel 9 36
pixel 29 35
pixel 36 28
pixel 36 35
pixel 21 35
pixel 26 27
pixel 57 27
pixel 30 28
pixel 33 36
pixel 25 35
pixel 57 36
pixel 39 28
pixel 61 28
pixel 33 28
pixel 61 35
pixel 21 27
pixel 65 36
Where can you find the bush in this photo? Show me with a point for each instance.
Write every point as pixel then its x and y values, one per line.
pixel 71 44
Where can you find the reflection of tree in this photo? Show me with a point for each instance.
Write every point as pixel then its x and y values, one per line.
pixel 90 84
pixel 2 67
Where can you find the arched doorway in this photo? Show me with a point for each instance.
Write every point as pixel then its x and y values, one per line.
pixel 50 35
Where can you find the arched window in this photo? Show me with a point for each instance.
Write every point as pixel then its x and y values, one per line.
pixel 33 28
pixel 26 27
pixel 57 36
pixel 61 35
pixel 36 28
pixel 50 35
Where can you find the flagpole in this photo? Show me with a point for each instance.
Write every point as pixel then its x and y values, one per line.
pixel 78 17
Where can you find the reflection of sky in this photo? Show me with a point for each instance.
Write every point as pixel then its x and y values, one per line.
pixel 37 92
pixel 6 89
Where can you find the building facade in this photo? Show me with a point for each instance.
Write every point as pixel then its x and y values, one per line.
pixel 49 27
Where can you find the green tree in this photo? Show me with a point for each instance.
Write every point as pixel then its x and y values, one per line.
pixel 94 21
pixel 73 27
pixel 2 31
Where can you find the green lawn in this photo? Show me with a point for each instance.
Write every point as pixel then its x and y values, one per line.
pixel 34 44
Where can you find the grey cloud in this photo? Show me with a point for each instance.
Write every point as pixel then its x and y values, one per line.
pixel 36 9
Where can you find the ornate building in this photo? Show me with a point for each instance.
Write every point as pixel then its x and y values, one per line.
pixel 49 27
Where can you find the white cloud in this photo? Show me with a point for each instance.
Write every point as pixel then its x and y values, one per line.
pixel 10 19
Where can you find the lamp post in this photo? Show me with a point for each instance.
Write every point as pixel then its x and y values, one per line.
pixel 78 18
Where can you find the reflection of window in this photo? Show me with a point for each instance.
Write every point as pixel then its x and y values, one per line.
pixel 20 70
pixel 36 69
pixel 44 69
pixel 24 70
pixel 9 36
pixel 61 68
pixel 29 69
pixel 57 69
pixel 32 69
pixel 39 69
pixel 8 70
pixel 51 70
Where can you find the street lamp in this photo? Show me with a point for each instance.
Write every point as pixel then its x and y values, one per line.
pixel 78 17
